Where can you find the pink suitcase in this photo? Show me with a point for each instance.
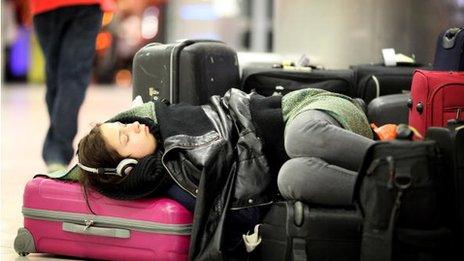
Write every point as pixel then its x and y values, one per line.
pixel 58 221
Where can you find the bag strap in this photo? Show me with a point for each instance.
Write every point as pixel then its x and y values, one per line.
pixel 295 243
pixel 401 181
pixel 299 249
pixel 71 174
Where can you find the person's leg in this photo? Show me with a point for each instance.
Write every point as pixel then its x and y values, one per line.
pixel 312 180
pixel 49 28
pixel 314 133
pixel 74 69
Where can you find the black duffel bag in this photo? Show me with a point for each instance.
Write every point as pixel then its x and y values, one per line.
pixel 271 81
pixel 400 191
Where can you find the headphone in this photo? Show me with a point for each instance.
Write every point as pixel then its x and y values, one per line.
pixel 124 168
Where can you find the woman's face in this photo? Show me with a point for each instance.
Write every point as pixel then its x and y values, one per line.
pixel 129 140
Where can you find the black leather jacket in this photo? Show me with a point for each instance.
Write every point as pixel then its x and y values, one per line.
pixel 215 153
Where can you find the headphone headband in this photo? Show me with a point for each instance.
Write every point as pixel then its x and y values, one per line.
pixel 124 167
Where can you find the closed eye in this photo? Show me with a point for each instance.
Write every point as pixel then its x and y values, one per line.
pixel 123 137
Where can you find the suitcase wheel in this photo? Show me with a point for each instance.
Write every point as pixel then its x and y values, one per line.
pixel 24 242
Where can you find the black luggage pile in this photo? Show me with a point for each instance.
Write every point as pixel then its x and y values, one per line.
pixel 409 195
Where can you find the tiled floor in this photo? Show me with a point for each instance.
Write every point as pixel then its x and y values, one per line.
pixel 24 122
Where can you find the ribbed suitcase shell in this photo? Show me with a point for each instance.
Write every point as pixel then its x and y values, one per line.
pixel 57 199
pixel 187 71
pixel 436 97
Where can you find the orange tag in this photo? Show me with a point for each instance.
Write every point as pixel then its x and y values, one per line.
pixel 385 132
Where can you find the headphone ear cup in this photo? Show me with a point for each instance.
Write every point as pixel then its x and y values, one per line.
pixel 125 166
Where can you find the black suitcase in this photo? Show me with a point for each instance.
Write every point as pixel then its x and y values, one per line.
pixel 451 142
pixel 389 109
pixel 270 81
pixel 375 80
pixel 293 231
pixel 449 55
pixel 187 71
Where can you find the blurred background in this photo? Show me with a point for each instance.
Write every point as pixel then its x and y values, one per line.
pixel 333 33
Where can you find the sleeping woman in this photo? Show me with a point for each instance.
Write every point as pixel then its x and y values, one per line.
pixel 229 159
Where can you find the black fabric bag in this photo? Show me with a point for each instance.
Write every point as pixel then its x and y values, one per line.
pixel 450 140
pixel 270 81
pixel 449 55
pixel 188 71
pixel 375 80
pixel 400 191
pixel 294 231
pixel 389 109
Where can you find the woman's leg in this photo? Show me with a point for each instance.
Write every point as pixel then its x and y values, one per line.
pixel 313 180
pixel 314 133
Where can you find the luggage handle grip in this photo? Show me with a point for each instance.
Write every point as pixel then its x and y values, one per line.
pixel 449 37
pixel 96 231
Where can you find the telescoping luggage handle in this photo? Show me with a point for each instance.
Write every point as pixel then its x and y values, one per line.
pixel 449 37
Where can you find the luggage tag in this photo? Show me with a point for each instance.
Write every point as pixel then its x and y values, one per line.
pixel 389 56
pixel 253 240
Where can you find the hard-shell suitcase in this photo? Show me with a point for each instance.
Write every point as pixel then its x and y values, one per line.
pixel 375 80
pixel 388 109
pixel 449 55
pixel 270 81
pixel 295 231
pixel 450 140
pixel 57 220
pixel 436 97
pixel 187 71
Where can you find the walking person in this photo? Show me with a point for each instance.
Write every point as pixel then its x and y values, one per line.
pixel 66 30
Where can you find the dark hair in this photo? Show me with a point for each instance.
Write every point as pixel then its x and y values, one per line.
pixel 93 152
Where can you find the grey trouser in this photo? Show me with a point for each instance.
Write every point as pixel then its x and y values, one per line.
pixel 324 159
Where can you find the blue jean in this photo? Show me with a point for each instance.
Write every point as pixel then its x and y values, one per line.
pixel 67 37
pixel 324 159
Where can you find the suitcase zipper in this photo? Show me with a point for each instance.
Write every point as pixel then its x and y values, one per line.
pixel 432 97
pixel 89 220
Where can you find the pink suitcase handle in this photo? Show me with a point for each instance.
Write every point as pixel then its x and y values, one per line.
pixel 95 231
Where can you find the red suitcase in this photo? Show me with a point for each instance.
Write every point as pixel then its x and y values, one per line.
pixel 436 97
pixel 57 221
